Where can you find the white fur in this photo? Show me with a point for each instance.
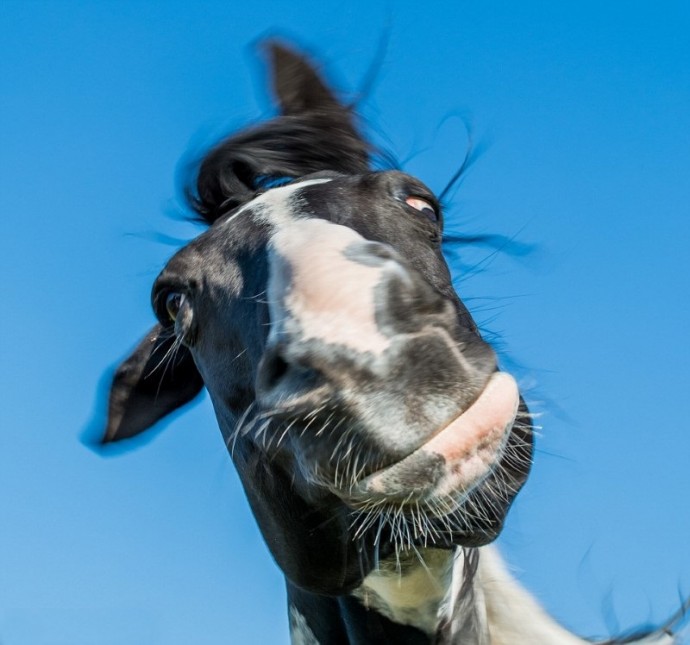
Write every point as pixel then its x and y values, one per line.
pixel 423 590
pixel 276 206
pixel 410 591
pixel 513 615
pixel 300 634
pixel 315 287
pixel 516 618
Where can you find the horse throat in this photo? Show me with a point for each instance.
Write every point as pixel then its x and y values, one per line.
pixel 434 590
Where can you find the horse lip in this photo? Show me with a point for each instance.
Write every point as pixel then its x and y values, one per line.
pixel 457 457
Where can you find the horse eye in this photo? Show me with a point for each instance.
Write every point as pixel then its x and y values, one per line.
pixel 423 207
pixel 173 304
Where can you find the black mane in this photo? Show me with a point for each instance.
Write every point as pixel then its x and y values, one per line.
pixel 314 132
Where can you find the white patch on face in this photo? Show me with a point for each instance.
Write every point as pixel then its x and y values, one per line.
pixel 324 294
pixel 411 591
pixel 300 634
pixel 277 206
pixel 330 296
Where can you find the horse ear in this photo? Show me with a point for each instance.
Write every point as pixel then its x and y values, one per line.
pixel 297 85
pixel 157 379
pixel 315 132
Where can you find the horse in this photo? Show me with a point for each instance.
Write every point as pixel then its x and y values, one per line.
pixel 379 445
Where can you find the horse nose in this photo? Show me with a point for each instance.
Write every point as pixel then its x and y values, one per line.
pixel 328 284
pixel 334 296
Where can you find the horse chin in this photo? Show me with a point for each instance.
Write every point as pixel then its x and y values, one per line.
pixel 447 492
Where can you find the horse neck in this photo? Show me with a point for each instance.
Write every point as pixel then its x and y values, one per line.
pixel 421 597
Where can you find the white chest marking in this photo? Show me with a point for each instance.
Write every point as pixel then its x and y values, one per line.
pixel 413 593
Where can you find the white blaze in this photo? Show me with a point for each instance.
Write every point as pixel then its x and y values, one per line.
pixel 318 289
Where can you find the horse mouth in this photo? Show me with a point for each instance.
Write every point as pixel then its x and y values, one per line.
pixel 454 461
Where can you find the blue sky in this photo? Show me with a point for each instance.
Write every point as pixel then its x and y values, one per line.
pixel 583 113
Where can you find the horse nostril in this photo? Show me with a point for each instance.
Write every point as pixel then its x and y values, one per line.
pixel 272 369
pixel 280 379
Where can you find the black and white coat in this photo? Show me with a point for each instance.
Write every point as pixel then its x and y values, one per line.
pixel 378 444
